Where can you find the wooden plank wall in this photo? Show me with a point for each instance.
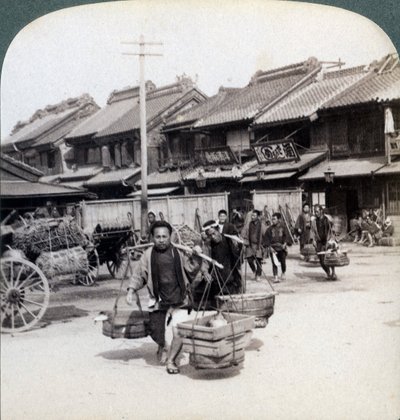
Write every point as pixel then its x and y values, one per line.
pixel 273 199
pixel 177 210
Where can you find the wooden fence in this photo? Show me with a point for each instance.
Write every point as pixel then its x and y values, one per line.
pixel 177 210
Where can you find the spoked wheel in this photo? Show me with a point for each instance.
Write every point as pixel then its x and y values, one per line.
pixel 118 266
pixel 24 294
pixel 89 278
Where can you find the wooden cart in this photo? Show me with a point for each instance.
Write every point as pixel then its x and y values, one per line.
pixel 24 286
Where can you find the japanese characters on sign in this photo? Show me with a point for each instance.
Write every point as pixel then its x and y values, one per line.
pixel 276 151
pixel 216 156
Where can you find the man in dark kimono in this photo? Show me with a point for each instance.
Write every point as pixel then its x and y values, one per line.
pixel 322 230
pixel 303 226
pixel 226 251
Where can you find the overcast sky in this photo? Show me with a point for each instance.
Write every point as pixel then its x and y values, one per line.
pixel 78 50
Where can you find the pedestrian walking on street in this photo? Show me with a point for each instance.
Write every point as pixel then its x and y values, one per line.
pixel 253 234
pixel 303 226
pixel 276 239
pixel 167 273
pixel 322 232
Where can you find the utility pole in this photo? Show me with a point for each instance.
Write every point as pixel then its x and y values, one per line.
pixel 143 127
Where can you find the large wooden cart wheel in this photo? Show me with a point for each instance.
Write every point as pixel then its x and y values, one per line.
pixel 118 266
pixel 89 278
pixel 24 294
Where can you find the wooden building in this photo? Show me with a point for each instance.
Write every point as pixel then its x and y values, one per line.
pixel 39 142
pixel 109 141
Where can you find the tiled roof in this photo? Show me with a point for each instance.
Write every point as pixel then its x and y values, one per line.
pixel 155 191
pixel 122 112
pixel 29 189
pixel 265 88
pixel 345 168
pixel 268 177
pixel 376 88
pixel 306 160
pixel 130 120
pixel 103 118
pixel 39 126
pixel 203 109
pixel 307 100
pixel 21 165
pixel 58 133
pixel 112 177
pixel 45 120
pixel 393 168
pixel 81 173
pixel 163 178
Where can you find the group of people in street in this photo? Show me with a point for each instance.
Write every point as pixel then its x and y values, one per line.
pixel 368 228
pixel 178 281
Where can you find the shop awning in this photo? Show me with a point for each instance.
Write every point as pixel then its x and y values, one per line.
pixel 392 169
pixel 268 177
pixel 345 168
pixel 155 191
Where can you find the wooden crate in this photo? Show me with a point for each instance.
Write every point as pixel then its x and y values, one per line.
pixel 237 324
pixel 260 305
pixel 218 348
pixel 210 362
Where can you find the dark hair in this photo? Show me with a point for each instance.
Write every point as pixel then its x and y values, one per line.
pixel 159 224
pixel 257 212
pixel 277 215
pixel 305 204
pixel 151 212
pixel 222 212
pixel 209 224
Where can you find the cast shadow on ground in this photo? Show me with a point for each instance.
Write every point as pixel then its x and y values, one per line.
pixel 254 345
pixel 146 352
pixel 311 275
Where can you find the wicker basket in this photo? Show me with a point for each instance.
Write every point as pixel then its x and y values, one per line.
pixel 336 259
pixel 127 324
pixel 389 241
pixel 308 250
pixel 260 305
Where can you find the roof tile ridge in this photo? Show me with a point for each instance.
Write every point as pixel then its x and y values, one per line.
pixel 368 76
pixel 220 102
pixel 309 77
pixel 23 165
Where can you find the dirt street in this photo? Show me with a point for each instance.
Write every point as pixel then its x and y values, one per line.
pixel 330 351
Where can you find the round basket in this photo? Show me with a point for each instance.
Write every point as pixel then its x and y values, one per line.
pixel 260 305
pixel 336 259
pixel 308 250
pixel 127 324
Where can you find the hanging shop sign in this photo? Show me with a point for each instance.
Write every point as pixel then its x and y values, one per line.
pixel 276 151
pixel 216 156
pixel 394 145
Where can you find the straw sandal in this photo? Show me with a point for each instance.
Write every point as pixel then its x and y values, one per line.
pixel 172 369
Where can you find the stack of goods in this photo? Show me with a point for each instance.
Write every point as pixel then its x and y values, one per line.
pixel 44 236
pixel 187 236
pixel 216 341
pixel 62 262
pixel 259 305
